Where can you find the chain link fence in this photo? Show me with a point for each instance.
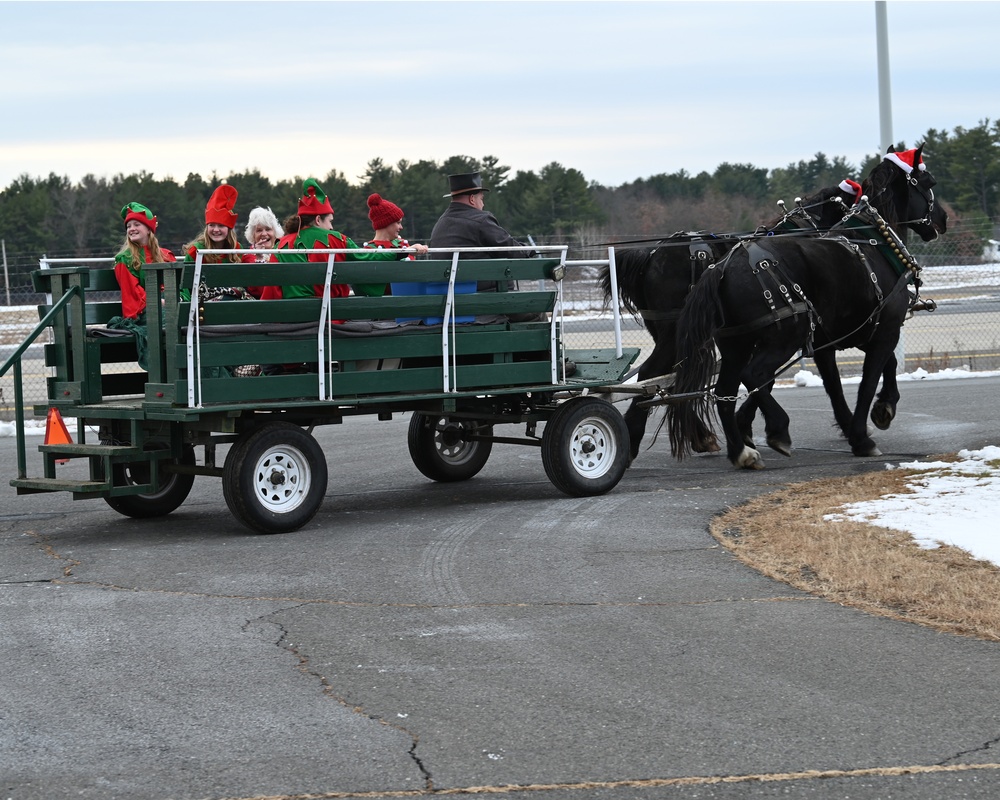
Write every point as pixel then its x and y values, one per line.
pixel 962 333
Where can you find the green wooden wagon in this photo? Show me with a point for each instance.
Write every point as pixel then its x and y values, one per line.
pixel 439 349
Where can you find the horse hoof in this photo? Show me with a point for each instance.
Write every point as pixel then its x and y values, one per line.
pixel 882 415
pixel 779 446
pixel 867 452
pixel 709 445
pixel 749 459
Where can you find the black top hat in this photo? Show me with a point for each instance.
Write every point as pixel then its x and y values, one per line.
pixel 465 183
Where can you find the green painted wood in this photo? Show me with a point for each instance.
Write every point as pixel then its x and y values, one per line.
pixel 264 350
pixel 522 269
pixel 368 308
pixel 35 485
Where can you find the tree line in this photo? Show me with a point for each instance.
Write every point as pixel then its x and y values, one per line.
pixel 58 218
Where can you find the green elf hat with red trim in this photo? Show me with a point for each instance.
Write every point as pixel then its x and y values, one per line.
pixel 140 212
pixel 220 206
pixel 314 201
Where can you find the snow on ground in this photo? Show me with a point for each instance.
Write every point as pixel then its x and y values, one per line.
pixel 956 504
pixel 951 503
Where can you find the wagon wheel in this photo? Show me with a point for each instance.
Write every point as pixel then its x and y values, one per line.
pixel 174 488
pixel 585 447
pixel 440 450
pixel 274 480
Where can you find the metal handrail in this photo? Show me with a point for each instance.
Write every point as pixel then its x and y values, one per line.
pixel 15 359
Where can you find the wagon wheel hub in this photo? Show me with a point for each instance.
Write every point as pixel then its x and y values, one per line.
pixel 277 477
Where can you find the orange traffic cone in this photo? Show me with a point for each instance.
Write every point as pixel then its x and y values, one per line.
pixel 56 433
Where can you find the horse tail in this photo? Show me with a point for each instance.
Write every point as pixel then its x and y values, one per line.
pixel 700 319
pixel 630 266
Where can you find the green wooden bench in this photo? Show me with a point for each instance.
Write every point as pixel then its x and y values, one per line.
pixel 491 352
pixel 78 371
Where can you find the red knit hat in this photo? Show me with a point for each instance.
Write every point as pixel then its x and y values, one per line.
pixel 382 213
pixel 140 212
pixel 314 201
pixel 220 207
pixel 905 159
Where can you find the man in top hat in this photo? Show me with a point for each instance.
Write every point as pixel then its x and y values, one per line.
pixel 465 223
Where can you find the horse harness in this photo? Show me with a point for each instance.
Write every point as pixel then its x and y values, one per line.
pixel 800 219
pixel 700 255
pixel 785 298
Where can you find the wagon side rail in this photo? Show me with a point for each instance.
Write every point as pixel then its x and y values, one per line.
pixel 243 331
pixel 74 290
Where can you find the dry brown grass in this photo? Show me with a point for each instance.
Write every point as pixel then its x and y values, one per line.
pixel 875 569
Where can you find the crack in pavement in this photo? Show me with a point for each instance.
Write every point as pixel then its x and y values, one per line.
pixel 305 667
pixel 988 745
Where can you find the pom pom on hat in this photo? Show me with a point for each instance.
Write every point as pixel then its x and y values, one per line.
pixel 382 213
pixel 140 212
pixel 314 201
pixel 220 206
pixel 851 187
pixel 904 160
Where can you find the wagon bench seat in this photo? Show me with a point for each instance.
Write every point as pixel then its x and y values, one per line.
pixel 371 353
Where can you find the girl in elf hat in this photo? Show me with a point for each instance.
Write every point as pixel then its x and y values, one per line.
pixel 140 247
pixel 219 234
pixel 316 232
pixel 387 222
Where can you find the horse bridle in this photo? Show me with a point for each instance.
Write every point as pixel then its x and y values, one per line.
pixel 927 193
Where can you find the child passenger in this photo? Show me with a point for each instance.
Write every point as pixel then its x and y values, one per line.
pixel 316 232
pixel 219 234
pixel 140 247
pixel 387 222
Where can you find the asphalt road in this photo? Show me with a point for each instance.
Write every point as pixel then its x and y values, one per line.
pixel 421 638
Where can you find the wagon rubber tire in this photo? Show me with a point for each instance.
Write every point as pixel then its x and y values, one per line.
pixel 274 480
pixel 439 451
pixel 585 447
pixel 173 490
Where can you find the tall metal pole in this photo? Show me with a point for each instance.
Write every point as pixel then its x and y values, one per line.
pixel 884 92
pixel 885 124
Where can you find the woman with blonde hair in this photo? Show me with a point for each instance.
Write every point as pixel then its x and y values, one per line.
pixel 140 247
pixel 219 234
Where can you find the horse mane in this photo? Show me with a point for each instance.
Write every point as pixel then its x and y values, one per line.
pixel 631 266
pixel 816 206
pixel 878 187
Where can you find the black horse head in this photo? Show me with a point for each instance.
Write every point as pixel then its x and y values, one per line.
pixel 902 189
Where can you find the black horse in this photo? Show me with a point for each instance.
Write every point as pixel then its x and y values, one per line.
pixel 772 297
pixel 653 283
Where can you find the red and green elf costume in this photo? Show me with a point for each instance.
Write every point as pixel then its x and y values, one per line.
pixel 130 274
pixel 314 202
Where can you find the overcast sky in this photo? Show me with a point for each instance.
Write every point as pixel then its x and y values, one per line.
pixel 618 90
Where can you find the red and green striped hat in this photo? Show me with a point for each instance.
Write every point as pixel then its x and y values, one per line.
pixel 140 212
